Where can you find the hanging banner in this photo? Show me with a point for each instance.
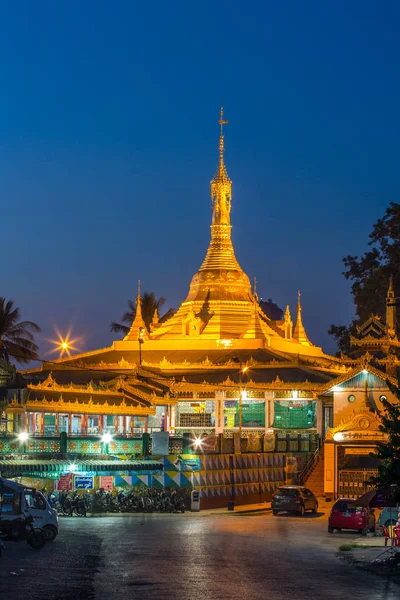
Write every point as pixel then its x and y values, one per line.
pixel 160 443
pixel 253 442
pixel 269 442
pixel 64 483
pixel 107 482
pixel 83 483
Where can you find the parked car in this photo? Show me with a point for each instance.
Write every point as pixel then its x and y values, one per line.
pixel 345 514
pixel 293 498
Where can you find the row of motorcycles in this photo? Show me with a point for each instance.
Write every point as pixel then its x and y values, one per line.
pixel 143 501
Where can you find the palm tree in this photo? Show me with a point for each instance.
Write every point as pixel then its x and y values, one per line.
pixel 149 306
pixel 16 337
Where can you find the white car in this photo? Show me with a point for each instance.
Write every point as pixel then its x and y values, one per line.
pixel 17 498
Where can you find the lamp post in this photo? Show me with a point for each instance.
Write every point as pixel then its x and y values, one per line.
pixel 140 341
pixel 242 394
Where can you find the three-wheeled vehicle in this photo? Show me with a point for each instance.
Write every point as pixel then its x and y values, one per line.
pixel 26 514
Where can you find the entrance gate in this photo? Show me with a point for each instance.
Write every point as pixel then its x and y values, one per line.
pixel 354 482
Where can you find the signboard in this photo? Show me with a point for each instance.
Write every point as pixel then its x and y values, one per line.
pixel 190 464
pixel 361 450
pixel 107 482
pixel 365 435
pixel 65 482
pixel 83 483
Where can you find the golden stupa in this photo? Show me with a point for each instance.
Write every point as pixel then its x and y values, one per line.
pixel 221 309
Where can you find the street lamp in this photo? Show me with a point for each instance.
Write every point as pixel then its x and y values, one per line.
pixel 141 341
pixel 242 393
pixel 23 438
pixel 106 439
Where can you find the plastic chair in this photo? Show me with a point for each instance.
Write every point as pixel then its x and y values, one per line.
pixel 396 531
pixel 387 536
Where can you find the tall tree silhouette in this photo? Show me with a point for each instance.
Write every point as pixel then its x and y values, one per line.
pixel 389 453
pixel 370 274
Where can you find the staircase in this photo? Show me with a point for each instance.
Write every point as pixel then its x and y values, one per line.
pixel 314 479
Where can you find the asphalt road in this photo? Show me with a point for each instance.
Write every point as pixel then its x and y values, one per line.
pixel 188 557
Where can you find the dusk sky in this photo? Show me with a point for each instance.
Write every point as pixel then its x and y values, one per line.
pixel 109 139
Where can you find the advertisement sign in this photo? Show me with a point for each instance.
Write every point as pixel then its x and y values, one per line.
pixel 190 464
pixel 107 482
pixel 65 482
pixel 83 483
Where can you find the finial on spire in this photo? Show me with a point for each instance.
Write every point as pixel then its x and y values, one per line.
pixel 298 300
pixel 221 185
pixel 138 291
pixel 255 286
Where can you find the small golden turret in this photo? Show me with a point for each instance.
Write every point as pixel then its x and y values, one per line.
pixel 391 310
pixel 138 328
pixel 299 333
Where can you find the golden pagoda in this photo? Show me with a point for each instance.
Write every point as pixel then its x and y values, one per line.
pixel 221 307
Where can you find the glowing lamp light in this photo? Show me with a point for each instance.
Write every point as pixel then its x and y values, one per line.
pixel 245 369
pixel 338 437
pixel 64 344
pixel 365 371
pixel 23 436
pixel 243 394
pixel 72 467
pixel 106 438
pixel 197 442
pixel 336 388
pixel 295 394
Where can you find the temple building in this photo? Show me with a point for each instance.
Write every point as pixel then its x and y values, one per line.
pixel 219 366
pixel 357 400
pixel 224 364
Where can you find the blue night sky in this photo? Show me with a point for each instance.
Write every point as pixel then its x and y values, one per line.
pixel 109 139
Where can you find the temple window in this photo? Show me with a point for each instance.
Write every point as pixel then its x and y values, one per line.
pixel 253 413
pixel 196 414
pixel 295 414
pixel 49 424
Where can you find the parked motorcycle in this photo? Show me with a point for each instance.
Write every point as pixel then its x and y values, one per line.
pixel 22 528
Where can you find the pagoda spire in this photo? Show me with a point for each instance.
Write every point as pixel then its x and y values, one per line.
pixel 299 332
pixel 391 310
pixel 221 185
pixel 138 328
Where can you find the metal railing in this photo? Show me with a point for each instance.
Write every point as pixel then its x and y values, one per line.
pixel 308 467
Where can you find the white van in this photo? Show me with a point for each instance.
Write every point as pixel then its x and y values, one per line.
pixel 16 498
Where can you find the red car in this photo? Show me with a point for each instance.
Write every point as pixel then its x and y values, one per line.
pixel 345 514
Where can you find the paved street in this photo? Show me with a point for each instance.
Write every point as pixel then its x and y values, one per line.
pixel 189 557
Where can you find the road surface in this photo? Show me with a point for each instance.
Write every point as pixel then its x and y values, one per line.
pixel 189 557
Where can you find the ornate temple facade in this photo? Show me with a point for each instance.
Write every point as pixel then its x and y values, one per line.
pixel 219 365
